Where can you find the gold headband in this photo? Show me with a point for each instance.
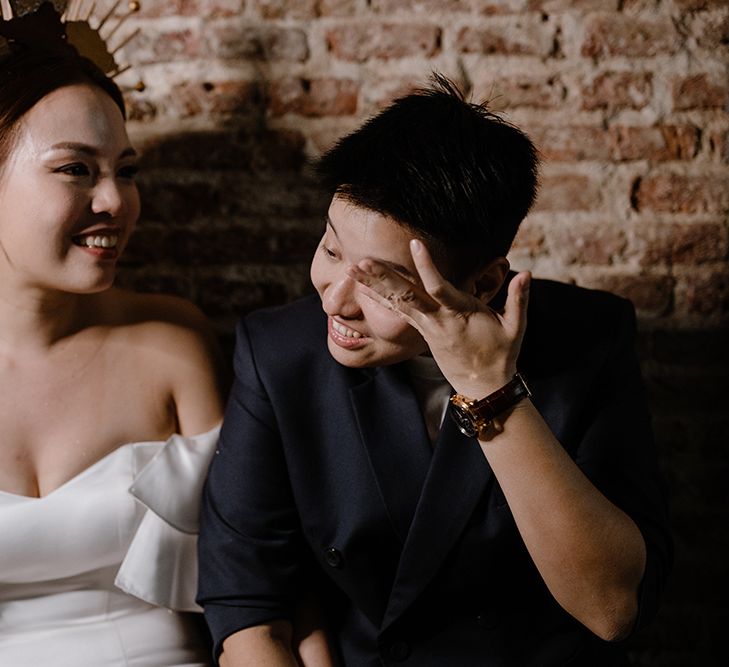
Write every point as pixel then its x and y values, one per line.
pixel 35 23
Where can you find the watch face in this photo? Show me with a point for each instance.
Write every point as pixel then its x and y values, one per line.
pixel 463 420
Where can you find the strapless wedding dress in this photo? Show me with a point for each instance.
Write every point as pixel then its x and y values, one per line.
pixel 91 573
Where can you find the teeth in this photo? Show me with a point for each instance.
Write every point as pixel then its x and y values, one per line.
pixel 98 241
pixel 341 329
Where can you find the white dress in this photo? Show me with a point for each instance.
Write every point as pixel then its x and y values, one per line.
pixel 89 573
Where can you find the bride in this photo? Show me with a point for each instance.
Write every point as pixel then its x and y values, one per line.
pixel 109 403
pixel 95 383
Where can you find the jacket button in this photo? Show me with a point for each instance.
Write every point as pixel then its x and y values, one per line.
pixel 399 651
pixel 333 557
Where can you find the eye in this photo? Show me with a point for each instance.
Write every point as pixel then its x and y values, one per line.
pixel 328 252
pixel 77 169
pixel 128 171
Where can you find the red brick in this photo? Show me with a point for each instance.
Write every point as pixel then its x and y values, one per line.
pixel 711 30
pixel 500 7
pixel 550 6
pixel 381 93
pixel 214 98
pixel 697 92
pixel 206 8
pixel 314 97
pixel 618 90
pixel 360 42
pixel 526 91
pixel 529 240
pixel 651 295
pixel 152 46
pixel 525 35
pixel 304 9
pixel 682 244
pixel 600 244
pixel 263 42
pixel 428 6
pixel 567 192
pixel 139 108
pixel 718 142
pixel 570 143
pixel 619 35
pixel 705 293
pixel 694 5
pixel 279 9
pixel 674 193
pixel 666 142
pixel 338 7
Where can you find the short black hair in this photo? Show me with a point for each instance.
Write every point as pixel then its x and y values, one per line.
pixel 454 173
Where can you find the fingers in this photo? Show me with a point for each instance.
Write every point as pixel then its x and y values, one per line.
pixel 387 287
pixel 435 284
pixel 517 301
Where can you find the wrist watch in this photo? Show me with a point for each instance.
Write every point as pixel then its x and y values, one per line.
pixel 473 416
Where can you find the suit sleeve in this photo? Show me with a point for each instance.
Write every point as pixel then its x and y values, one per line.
pixel 618 454
pixel 249 542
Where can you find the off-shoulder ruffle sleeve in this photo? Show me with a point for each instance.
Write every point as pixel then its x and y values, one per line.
pixel 160 565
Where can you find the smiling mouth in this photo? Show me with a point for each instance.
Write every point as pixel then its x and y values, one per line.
pixel 96 240
pixel 344 331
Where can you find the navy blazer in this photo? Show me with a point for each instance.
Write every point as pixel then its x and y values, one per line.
pixel 326 480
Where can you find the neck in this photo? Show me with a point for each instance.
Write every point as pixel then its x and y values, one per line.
pixel 33 318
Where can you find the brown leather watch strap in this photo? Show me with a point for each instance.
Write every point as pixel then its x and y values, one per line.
pixel 502 399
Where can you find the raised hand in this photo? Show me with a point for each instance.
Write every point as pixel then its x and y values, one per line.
pixel 474 346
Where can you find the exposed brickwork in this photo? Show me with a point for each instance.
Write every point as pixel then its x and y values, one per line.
pixel 618 90
pixel 385 41
pixel 317 97
pixel 675 193
pixel 698 92
pixel 620 35
pixel 627 101
pixel 521 36
pixel 266 43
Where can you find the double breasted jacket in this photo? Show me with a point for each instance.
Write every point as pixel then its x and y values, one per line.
pixel 325 481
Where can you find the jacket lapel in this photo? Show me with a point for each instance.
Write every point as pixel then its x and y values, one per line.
pixel 396 441
pixel 457 479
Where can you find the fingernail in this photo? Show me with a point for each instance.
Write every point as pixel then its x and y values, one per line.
pixel 415 245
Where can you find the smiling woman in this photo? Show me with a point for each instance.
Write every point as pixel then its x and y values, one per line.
pixel 112 392
pixel 72 147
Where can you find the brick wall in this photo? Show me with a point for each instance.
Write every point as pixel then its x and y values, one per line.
pixel 627 101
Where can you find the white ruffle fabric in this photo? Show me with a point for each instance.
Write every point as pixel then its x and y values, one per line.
pixel 160 566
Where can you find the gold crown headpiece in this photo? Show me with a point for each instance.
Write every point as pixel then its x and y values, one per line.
pixel 39 24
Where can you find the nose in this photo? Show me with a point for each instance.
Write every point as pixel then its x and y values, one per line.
pixel 108 198
pixel 340 298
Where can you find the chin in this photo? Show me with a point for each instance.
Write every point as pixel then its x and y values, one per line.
pixel 93 286
pixel 363 358
pixel 351 358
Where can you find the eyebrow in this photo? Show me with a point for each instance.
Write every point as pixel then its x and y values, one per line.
pixel 399 268
pixel 89 150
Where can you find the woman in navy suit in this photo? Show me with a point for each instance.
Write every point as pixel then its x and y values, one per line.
pixel 530 529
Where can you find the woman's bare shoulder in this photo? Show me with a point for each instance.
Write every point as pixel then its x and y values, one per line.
pixel 176 339
pixel 126 308
pixel 168 328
